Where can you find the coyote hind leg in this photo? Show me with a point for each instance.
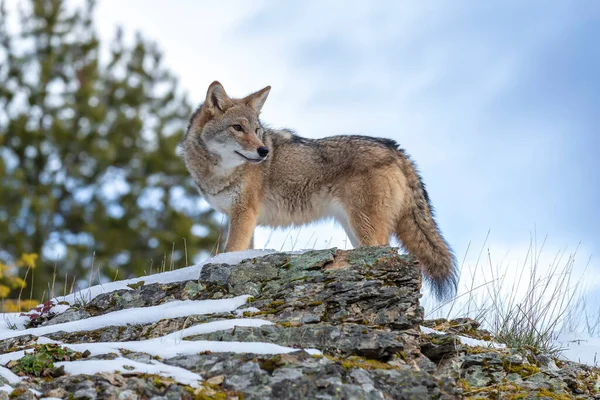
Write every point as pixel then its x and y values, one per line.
pixel 369 227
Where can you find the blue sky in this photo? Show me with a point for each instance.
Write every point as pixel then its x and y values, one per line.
pixel 497 102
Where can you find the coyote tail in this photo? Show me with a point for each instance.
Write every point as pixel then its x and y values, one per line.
pixel 420 235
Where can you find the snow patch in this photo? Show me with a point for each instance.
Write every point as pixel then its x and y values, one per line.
pixel 173 345
pixel 466 340
pixel 6 388
pixel 240 311
pixel 8 375
pixel 178 275
pixel 182 274
pixel 127 366
pixel 579 347
pixel 142 315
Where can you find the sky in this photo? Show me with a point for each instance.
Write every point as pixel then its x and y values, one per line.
pixel 497 102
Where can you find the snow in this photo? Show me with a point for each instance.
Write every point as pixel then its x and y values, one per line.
pixel 167 349
pixel 466 340
pixel 178 275
pixel 127 366
pixel 240 311
pixel 173 345
pixel 59 308
pixel 578 347
pixel 8 375
pixel 143 315
pixel 6 357
pixel 86 295
pixel 170 345
pixel 6 388
pixel 6 320
pixel 478 342
pixel 214 326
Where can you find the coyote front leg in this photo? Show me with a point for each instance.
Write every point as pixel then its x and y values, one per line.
pixel 242 222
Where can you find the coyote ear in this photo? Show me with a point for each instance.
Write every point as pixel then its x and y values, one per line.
pixel 257 100
pixel 217 99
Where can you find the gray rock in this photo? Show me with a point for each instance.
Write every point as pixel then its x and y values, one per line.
pixel 85 394
pixel 128 395
pixel 68 316
pixel 359 307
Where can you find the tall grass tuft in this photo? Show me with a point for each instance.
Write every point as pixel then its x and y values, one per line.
pixel 526 304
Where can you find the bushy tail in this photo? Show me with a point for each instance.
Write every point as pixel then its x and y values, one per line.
pixel 420 235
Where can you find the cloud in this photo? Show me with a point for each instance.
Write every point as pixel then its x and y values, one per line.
pixel 497 102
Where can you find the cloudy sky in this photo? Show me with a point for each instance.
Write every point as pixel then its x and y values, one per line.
pixel 497 102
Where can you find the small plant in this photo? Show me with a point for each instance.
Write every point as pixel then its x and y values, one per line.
pixel 41 361
pixel 41 313
pixel 193 289
pixel 10 325
pixel 135 285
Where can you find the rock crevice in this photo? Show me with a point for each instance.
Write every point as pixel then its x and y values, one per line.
pixel 359 308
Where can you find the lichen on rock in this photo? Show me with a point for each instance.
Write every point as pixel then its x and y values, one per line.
pixel 360 308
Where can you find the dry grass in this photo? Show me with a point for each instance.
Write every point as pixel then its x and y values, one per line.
pixel 527 304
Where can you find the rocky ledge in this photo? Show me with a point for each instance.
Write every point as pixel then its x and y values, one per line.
pixel 353 316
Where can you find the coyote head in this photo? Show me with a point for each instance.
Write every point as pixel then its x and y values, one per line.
pixel 229 128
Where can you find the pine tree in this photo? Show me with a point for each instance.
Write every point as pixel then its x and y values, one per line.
pixel 88 160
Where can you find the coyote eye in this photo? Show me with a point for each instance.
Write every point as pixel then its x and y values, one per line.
pixel 237 128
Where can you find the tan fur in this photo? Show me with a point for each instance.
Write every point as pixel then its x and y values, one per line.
pixel 367 184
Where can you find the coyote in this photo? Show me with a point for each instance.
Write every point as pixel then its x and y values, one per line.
pixel 262 176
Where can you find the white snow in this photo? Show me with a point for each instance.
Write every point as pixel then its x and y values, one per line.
pixel 8 375
pixel 240 311
pixel 142 315
pixel 173 345
pixel 578 347
pixel 6 388
pixel 59 308
pixel 466 340
pixel 125 365
pixel 6 321
pixel 6 357
pixel 170 345
pixel 178 275
pixel 213 326
pixel 478 342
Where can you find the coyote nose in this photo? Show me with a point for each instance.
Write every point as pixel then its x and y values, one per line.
pixel 263 151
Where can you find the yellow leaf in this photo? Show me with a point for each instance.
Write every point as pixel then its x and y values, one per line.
pixel 4 291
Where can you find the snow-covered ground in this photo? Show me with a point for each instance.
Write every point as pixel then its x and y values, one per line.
pixel 577 347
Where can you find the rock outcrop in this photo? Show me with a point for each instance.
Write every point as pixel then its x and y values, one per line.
pixel 359 308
